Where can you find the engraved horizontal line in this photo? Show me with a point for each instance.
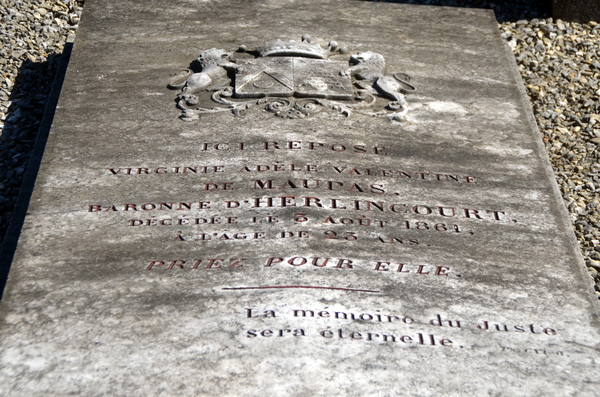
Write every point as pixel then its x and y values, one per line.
pixel 301 286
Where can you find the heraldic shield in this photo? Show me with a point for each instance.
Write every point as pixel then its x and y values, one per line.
pixel 288 76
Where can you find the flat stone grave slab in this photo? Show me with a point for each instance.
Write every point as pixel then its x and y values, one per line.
pixel 334 198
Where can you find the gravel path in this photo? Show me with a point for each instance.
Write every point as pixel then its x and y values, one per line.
pixel 559 62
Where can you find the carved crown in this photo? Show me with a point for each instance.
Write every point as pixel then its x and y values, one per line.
pixel 293 48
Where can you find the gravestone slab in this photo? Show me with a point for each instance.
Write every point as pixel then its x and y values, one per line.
pixel 335 198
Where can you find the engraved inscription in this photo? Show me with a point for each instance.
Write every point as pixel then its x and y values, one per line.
pixel 301 262
pixel 399 329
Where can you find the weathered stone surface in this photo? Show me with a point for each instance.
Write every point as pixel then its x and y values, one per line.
pixel 264 249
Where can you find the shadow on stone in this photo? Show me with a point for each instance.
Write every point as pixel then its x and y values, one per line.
pixel 505 10
pixel 22 144
pixel 581 11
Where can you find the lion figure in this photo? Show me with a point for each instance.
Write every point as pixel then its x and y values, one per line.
pixel 370 67
pixel 366 66
pixel 213 76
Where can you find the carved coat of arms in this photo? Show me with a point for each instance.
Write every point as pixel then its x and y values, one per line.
pixel 292 80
